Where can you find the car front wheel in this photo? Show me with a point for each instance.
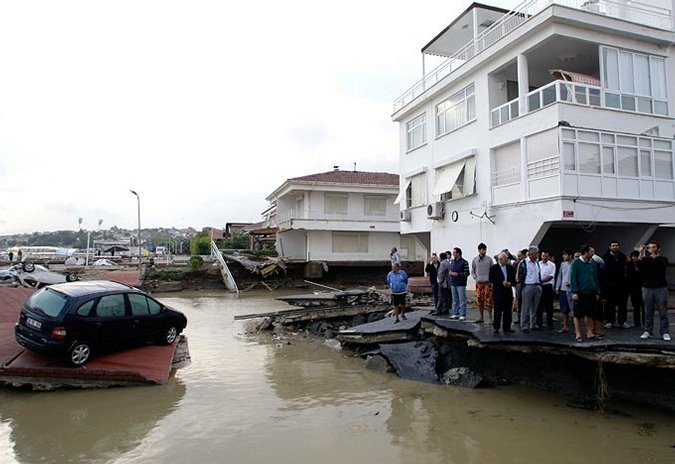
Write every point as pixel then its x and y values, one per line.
pixel 28 266
pixel 79 354
pixel 170 335
pixel 71 277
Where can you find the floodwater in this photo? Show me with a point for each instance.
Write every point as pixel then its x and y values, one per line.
pixel 253 399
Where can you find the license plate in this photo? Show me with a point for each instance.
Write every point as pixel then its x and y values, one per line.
pixel 33 323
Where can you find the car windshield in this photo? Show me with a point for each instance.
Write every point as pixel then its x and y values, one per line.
pixel 48 302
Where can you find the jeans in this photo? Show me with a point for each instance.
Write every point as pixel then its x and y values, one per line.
pixel 656 299
pixel 459 301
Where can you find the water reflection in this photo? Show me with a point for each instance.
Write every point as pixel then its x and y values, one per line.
pixel 93 425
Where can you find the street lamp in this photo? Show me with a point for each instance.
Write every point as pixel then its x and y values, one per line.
pixel 79 221
pixel 138 198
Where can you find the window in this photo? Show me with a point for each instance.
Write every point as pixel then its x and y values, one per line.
pixel 455 180
pixel 456 111
pixel 335 203
pixel 634 81
pixel 139 304
pixel 506 164
pixel 418 193
pixel 47 301
pixel 154 307
pixel 375 205
pixel 85 309
pixel 416 132
pixel 350 242
pixel 111 306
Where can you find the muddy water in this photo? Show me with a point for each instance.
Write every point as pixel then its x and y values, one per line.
pixel 251 399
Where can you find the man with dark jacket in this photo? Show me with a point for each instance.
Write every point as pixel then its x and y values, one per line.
pixel 616 290
pixel 459 272
pixel 432 272
pixel 503 280
pixel 654 289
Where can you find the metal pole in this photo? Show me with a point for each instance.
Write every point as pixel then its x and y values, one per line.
pixel 86 260
pixel 138 198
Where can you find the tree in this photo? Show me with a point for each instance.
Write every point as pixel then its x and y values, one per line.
pixel 200 245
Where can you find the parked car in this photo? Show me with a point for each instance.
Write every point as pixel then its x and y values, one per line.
pixel 30 274
pixel 80 318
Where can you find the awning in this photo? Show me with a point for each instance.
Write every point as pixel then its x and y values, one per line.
pixel 469 176
pixel 446 177
pixel 401 195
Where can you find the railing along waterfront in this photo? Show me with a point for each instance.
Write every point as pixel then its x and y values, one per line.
pixel 314 215
pixel 578 94
pixel 636 12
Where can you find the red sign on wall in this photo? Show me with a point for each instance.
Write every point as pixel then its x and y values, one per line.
pixel 568 213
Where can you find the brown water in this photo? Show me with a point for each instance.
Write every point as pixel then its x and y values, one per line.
pixel 252 399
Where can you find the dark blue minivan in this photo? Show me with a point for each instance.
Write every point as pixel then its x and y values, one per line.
pixel 79 318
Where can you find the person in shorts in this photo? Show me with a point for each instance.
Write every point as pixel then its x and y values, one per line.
pixel 397 279
pixel 562 288
pixel 585 289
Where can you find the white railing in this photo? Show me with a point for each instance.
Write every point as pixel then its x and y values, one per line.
pixel 579 94
pixel 320 215
pixel 506 176
pixel 228 278
pixel 637 12
pixel 543 167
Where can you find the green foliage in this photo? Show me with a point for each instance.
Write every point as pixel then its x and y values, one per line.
pixel 200 245
pixel 196 262
pixel 237 241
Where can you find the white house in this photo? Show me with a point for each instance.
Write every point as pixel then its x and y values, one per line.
pixel 551 124
pixel 341 218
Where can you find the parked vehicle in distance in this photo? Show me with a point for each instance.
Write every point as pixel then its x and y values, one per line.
pixel 80 318
pixel 30 274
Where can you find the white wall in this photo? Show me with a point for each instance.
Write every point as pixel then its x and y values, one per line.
pixel 379 246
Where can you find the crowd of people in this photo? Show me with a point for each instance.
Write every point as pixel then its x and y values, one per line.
pixel 593 289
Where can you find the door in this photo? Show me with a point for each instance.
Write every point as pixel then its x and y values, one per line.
pixel 113 322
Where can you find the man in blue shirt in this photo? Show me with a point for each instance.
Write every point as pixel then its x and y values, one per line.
pixel 397 279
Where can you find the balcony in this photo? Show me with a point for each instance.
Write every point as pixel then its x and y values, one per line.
pixel 579 94
pixel 587 163
pixel 320 220
pixel 638 12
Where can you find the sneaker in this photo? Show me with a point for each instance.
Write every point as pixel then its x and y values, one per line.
pixel 626 325
pixel 454 317
pixel 462 318
pixel 616 325
pixel 666 337
pixel 645 335
pixel 608 325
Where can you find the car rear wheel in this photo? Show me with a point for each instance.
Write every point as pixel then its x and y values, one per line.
pixel 28 266
pixel 170 335
pixel 79 354
pixel 71 277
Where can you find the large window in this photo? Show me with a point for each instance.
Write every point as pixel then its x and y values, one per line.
pixel 593 152
pixel 350 242
pixel 375 205
pixel 634 81
pixel 506 164
pixel 456 111
pixel 416 132
pixel 455 180
pixel 335 203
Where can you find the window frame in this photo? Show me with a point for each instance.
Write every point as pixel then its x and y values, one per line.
pixel 418 123
pixel 464 101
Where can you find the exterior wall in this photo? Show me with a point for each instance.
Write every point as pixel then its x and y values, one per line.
pixel 292 244
pixel 379 245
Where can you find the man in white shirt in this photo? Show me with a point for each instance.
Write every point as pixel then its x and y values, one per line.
pixel 529 275
pixel 547 281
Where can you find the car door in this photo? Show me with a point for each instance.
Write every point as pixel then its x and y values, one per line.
pixel 143 322
pixel 115 324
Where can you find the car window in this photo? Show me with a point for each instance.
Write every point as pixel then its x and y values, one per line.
pixel 48 302
pixel 111 306
pixel 85 309
pixel 155 308
pixel 139 304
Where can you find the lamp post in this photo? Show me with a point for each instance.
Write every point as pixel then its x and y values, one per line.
pixel 79 222
pixel 138 198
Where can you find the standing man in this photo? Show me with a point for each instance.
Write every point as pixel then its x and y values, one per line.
pixel 502 276
pixel 395 256
pixel 11 257
pixel 547 280
pixel 443 286
pixel 529 276
pixel 585 289
pixel 432 272
pixel 397 279
pixel 616 291
pixel 562 287
pixel 459 273
pixel 480 271
pixel 654 289
pixel 634 286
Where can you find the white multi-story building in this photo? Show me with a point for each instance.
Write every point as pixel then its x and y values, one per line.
pixel 551 124
pixel 340 218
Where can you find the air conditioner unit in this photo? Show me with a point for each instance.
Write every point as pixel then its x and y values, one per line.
pixel 435 210
pixel 405 215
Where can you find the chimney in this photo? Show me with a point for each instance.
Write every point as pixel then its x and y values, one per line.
pixel 354 166
pixel 336 168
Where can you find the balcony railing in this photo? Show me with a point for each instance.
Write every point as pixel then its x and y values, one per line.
pixel 637 12
pixel 320 215
pixel 579 94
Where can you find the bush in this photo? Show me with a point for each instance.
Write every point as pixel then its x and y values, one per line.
pixel 200 245
pixel 196 262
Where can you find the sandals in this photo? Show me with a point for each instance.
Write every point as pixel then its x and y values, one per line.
pixel 579 339
pixel 563 331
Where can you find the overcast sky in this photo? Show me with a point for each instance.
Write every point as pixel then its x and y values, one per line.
pixel 202 107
